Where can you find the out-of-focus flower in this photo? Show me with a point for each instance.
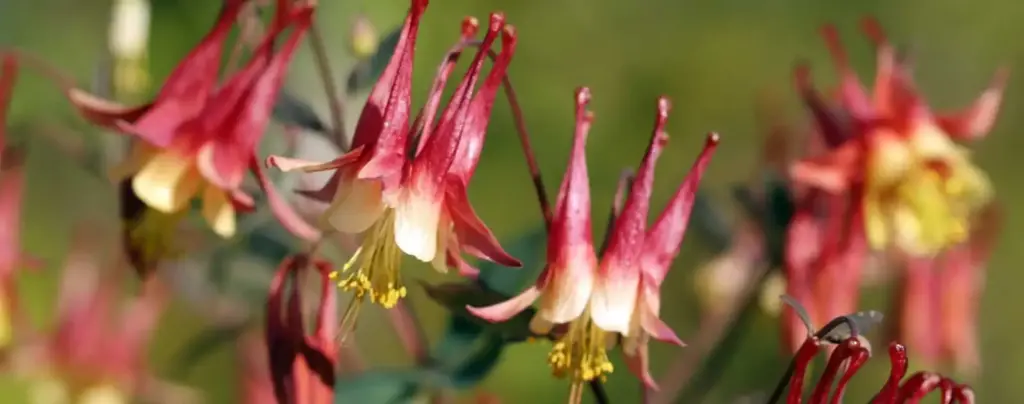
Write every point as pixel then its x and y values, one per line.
pixel 937 300
pixel 128 43
pixel 619 294
pixel 918 189
pixel 414 205
pixel 301 365
pixel 255 371
pixel 11 194
pixel 849 357
pixel 198 138
pixel 363 38
pixel 94 355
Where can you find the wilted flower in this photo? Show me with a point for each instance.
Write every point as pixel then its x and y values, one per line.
pixel 918 189
pixel 301 365
pixel 411 204
pixel 620 293
pixel 938 299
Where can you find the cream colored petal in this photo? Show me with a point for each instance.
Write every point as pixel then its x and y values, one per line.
pixel 138 156
pixel 444 232
pixel 218 211
pixel 356 206
pixel 890 159
pixel 930 142
pixel 416 220
pixel 103 394
pixel 167 182
pixel 613 301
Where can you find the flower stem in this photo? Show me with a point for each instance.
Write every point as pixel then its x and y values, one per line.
pixel 323 67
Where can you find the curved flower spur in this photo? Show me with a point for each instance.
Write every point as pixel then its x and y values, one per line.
pixel 413 204
pixel 619 294
pixel 919 188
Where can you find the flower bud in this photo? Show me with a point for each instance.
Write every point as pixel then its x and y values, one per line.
pixel 363 39
pixel 128 41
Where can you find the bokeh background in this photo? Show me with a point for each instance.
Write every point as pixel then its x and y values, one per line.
pixel 712 58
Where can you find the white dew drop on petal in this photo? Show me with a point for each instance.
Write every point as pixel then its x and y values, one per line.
pixel 167 182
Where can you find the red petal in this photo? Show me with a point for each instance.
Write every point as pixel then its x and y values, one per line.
pixel 499 312
pixel 281 349
pixel 430 167
pixel 468 155
pixel 977 120
pixel 802 360
pixel 473 235
pixel 384 123
pixel 188 87
pixel 664 238
pixel 571 226
pixel 470 26
pixel 282 210
pixel 851 92
pixel 832 172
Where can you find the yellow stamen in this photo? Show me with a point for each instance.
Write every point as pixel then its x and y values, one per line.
pixel 154 235
pixel 581 354
pixel 374 270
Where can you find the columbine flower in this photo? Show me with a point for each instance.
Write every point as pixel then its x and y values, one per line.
pixel 197 138
pixel 937 300
pixel 918 187
pixel 93 355
pixel 301 366
pixel 401 204
pixel 658 250
pixel 619 294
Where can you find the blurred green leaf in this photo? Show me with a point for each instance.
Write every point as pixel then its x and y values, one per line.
pixel 476 368
pixel 292 111
pixel 460 334
pixel 207 342
pixel 393 386
pixel 266 243
pixel 456 296
pixel 529 248
pixel 366 72
pixel 708 221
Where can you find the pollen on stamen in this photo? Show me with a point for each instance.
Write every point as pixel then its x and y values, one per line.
pixel 375 267
pixel 581 353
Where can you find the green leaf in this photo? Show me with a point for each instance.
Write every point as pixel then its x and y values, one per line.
pixel 476 368
pixel 391 386
pixel 529 248
pixel 206 343
pixel 366 72
pixel 456 296
pixel 459 336
pixel 292 111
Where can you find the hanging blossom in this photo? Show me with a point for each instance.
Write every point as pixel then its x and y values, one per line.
pixel 301 366
pixel 407 194
pixel 848 357
pixel 198 137
pixel 937 300
pixel 95 353
pixel 917 187
pixel 618 294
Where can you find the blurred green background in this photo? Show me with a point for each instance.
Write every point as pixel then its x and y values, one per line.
pixel 711 57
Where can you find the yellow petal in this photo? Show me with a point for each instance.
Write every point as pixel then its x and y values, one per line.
pixel 167 182
pixel 218 211
pixel 103 394
pixel 890 160
pixel 139 155
pixel 875 226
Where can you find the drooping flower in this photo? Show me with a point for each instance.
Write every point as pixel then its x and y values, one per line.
pixel 95 353
pixel 917 187
pixel 301 365
pixel 619 294
pixel 410 204
pixel 937 300
pixel 658 250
